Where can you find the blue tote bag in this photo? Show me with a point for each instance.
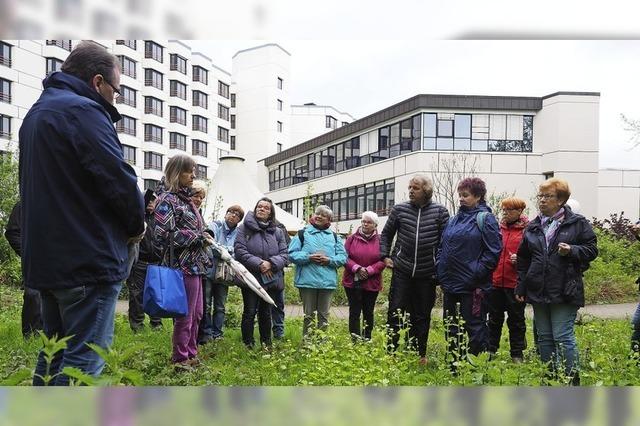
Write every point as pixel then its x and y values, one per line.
pixel 164 293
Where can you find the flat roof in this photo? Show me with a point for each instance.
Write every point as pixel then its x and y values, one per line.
pixel 513 103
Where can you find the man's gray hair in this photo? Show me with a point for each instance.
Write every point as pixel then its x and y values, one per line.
pixel 324 211
pixel 89 59
pixel 427 184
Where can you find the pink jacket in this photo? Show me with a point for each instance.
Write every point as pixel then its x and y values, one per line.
pixel 363 253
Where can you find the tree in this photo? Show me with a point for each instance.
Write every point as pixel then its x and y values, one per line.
pixel 446 175
pixel 9 262
pixel 632 126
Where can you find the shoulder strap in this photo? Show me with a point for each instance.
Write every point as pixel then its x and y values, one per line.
pixel 301 236
pixel 480 217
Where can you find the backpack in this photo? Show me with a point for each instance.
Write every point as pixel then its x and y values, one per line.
pixel 480 218
pixel 301 237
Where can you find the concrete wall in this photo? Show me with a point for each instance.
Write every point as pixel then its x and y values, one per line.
pixel 309 121
pixel 619 191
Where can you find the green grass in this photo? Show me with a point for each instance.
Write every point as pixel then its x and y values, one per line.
pixel 604 351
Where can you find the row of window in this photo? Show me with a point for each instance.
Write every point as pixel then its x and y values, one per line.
pixel 331 122
pixel 153 161
pixel 5 90
pixel 64 44
pixel 5 54
pixel 153 133
pixel 198 147
pixel 349 203
pixel 5 127
pixel 427 131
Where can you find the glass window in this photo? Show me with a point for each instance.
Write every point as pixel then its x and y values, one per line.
pixel 445 144
pixel 178 89
pixel 223 89
pixel 462 144
pixel 223 112
pixel 128 96
pixel 223 134
pixel 152 106
pixel 280 83
pixel 479 145
pixel 129 154
pixel 152 133
pixel 200 99
pixel 233 100
pixel 177 141
pixel 177 63
pixel 445 128
pixel 429 143
pixel 198 147
pixel 132 44
pixel 429 124
pixel 153 78
pixel 383 138
pixel 201 171
pixel 150 184
pixel 5 90
pixel 200 74
pixel 5 54
pixel 153 50
pixel 126 125
pixel 5 127
pixel 527 133
pixel 178 115
pixel 199 123
pixel 330 122
pixel 279 105
pixel 152 160
pixel 53 65
pixel 128 66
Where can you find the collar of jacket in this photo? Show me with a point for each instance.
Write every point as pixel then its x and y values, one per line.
pixel 313 230
pixel 251 222
pixel 521 223
pixel 569 217
pixel 62 80
pixel 429 202
pixel 363 238
pixel 481 207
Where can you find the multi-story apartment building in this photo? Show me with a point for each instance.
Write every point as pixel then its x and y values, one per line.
pixel 310 120
pixel 169 101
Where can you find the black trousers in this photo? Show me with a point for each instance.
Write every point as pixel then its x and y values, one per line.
pixel 135 285
pixel 503 300
pixel 31 314
pixel 413 297
pixel 252 304
pixel 471 308
pixel 361 302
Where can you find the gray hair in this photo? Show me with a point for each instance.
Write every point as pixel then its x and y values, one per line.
pixel 177 164
pixel 427 184
pixel 372 216
pixel 324 211
pixel 89 59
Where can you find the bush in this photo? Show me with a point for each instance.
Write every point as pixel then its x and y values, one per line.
pixel 9 262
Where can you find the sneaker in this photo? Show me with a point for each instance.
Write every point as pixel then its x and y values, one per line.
pixel 517 359
pixel 183 366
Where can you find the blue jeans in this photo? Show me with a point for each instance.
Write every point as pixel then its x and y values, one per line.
pixel 85 312
pixel 555 324
pixel 635 337
pixel 213 318
pixel 277 315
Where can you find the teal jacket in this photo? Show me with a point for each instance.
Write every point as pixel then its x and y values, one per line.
pixel 313 275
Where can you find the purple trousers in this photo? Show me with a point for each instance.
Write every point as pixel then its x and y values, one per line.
pixel 185 329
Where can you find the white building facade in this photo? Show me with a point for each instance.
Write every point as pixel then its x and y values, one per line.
pixel 311 120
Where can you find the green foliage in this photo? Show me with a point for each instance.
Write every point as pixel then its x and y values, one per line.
pixel 9 262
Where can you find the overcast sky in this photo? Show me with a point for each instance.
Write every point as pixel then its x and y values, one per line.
pixel 361 77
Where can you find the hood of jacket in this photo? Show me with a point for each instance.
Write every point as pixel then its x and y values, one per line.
pixel 64 81
pixel 251 222
pixel 521 223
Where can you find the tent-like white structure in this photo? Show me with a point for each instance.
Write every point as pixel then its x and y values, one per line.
pixel 230 185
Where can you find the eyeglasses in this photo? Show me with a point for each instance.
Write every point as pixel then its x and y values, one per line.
pixel 116 92
pixel 509 210
pixel 236 214
pixel 545 196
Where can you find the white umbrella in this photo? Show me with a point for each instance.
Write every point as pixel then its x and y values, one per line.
pixel 242 273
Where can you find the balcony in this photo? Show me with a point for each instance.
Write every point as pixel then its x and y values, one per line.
pixel 125 101
pixel 199 151
pixel 6 61
pixel 149 165
pixel 178 94
pixel 153 83
pixel 64 44
pixel 5 135
pixel 154 111
pixel 177 119
pixel 125 130
pixel 199 128
pixel 148 137
pixel 5 97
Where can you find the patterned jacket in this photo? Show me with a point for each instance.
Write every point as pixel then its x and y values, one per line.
pixel 178 219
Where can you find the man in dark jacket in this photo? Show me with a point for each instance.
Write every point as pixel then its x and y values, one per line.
pixel 418 225
pixel 31 318
pixel 81 206
pixel 135 283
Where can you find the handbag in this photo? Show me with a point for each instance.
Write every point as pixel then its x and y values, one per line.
pixel 224 273
pixel 164 294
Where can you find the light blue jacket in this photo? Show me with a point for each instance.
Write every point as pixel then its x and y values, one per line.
pixel 224 236
pixel 310 274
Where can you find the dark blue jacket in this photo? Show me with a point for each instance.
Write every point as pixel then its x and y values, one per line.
pixel 80 199
pixel 467 256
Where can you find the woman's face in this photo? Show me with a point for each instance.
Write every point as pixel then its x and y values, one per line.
pixel 368 225
pixel 548 202
pixel 511 215
pixel 321 219
pixel 467 199
pixel 186 179
pixel 197 199
pixel 263 211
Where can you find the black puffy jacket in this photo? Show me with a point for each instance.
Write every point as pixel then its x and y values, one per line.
pixel 419 231
pixel 546 277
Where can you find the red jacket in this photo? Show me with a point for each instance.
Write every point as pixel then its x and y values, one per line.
pixel 363 253
pixel 506 275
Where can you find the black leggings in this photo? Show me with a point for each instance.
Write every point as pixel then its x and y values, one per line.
pixel 361 301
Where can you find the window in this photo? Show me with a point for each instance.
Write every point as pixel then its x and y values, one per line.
pixel 344 123
pixel 177 141
pixel 200 74
pixel 152 160
pixel 223 112
pixel 280 82
pixel 233 100
pixel 223 89
pixel 5 54
pixel 153 78
pixel 233 143
pixel 53 65
pixel 547 175
pixel 153 50
pixel 5 91
pixel 233 121
pixel 5 127
pixel 223 134
pixel 152 133
pixel 198 147
pixel 200 99
pixel 64 44
pixel 132 44
pixel 128 66
pixel 201 171
pixel 177 89
pixel 127 96
pixel 330 122
pixel 279 104
pixel 129 154
pixel 177 63
pixel 199 123
pixel 279 126
pixel 279 147
pixel 150 184
pixel 153 106
pixel 127 125
pixel 177 115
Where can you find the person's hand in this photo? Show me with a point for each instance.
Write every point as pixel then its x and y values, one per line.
pixel 319 258
pixel 513 258
pixel 520 298
pixel 208 239
pixel 265 266
pixel 388 262
pixel 564 249
pixel 363 274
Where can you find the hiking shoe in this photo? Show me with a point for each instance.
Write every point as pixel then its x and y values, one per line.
pixel 517 359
